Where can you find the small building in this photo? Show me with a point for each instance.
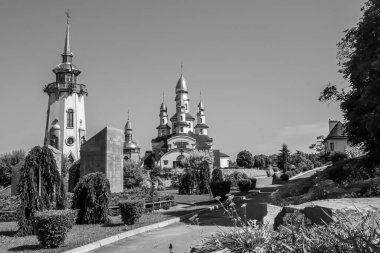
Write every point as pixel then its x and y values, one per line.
pixel 336 140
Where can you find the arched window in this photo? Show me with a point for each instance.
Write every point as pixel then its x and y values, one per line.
pixel 70 118
pixel 200 120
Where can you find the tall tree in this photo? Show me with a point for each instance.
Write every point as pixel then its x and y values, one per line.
pixel 359 59
pixel 245 159
pixel 283 157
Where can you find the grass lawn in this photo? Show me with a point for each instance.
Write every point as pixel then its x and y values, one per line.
pixel 80 234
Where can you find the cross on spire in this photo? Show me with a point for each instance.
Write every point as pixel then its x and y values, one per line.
pixel 68 15
pixel 181 68
pixel 128 114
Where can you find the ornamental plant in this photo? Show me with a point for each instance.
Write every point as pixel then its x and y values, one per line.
pixel 52 226
pixel 244 185
pixel 216 175
pixel 220 189
pixel 39 182
pixel 131 211
pixel 91 198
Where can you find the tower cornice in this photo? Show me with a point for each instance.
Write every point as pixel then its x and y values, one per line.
pixel 55 87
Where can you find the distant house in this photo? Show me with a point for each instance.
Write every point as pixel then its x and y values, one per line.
pixel 221 160
pixel 336 140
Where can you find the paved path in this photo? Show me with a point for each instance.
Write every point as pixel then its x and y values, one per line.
pixel 182 236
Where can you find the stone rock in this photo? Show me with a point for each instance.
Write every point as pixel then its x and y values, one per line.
pixel 318 214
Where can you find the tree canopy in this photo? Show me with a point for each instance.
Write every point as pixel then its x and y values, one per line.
pixel 245 159
pixel 359 59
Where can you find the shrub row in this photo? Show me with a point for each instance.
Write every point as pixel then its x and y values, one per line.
pixel 52 226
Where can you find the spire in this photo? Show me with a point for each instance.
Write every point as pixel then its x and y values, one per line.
pixel 128 126
pixel 163 106
pixel 67 55
pixel 200 105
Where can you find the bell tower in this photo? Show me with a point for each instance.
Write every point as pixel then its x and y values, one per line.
pixel 65 124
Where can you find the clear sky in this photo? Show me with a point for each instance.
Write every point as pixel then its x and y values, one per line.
pixel 260 65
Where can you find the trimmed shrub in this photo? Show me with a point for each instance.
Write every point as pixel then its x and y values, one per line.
pixel 91 198
pixel 221 189
pixel 253 183
pixel 52 226
pixel 284 177
pixel 235 177
pixel 187 182
pixel 131 211
pixel 217 175
pixel 244 185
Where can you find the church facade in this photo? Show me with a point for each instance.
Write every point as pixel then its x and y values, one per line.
pixel 186 132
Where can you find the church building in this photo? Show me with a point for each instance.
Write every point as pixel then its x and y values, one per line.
pixel 186 133
pixel 66 124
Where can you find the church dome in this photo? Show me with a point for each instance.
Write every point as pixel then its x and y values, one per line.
pixel 181 85
pixel 200 105
pixel 130 145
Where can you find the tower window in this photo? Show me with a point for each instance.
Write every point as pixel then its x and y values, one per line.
pixel 200 119
pixel 186 107
pixel 201 131
pixel 181 130
pixel 163 121
pixel 70 118
pixel 182 118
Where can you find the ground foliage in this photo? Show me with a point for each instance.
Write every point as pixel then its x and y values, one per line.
pixel 39 162
pixel 91 198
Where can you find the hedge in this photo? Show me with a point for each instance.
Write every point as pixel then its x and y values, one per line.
pixel 52 226
pixel 220 189
pixel 217 175
pixel 131 211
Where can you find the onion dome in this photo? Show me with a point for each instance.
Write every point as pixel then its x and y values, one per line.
pixel 163 107
pixel 200 105
pixel 128 126
pixel 181 85
pixel 130 145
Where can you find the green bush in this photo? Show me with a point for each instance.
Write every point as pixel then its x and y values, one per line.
pixel 40 162
pixel 52 226
pixel 133 175
pixel 253 183
pixel 187 182
pixel 131 211
pixel 91 198
pixel 217 175
pixel 234 177
pixel 284 177
pixel 338 156
pixel 220 189
pixel 244 185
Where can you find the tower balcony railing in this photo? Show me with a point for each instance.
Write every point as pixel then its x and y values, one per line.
pixel 66 87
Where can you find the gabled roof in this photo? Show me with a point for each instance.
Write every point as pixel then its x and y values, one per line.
pixel 337 132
